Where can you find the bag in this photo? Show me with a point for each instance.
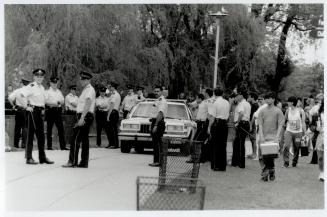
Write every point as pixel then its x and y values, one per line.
pixel 269 148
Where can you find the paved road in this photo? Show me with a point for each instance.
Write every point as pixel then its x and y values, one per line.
pixel 110 184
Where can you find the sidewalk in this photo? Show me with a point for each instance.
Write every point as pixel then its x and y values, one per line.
pixel 110 184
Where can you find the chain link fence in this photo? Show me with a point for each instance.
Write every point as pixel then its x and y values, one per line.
pixel 172 194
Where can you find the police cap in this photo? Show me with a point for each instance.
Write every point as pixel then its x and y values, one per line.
pixel 129 86
pixel 85 75
pixel 114 84
pixel 54 79
pixel 39 72
pixel 139 88
pixel 72 87
pixel 103 89
pixel 25 81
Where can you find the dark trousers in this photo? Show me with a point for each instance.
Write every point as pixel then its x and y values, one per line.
pixel 157 139
pixel 314 159
pixel 53 116
pixel 81 135
pixel 102 123
pixel 238 158
pixel 268 166
pixel 219 132
pixel 38 129
pixel 125 113
pixel 113 128
pixel 20 128
pixel 201 135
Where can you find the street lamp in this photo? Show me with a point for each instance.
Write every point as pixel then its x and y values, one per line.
pixel 218 15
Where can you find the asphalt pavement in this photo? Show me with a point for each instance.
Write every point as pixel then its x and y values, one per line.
pixel 110 184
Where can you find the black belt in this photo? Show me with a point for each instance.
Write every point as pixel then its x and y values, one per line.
pixel 244 121
pixel 37 107
pixel 71 112
pixel 99 110
pixel 220 119
pixel 19 108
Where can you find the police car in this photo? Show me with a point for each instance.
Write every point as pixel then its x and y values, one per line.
pixel 135 129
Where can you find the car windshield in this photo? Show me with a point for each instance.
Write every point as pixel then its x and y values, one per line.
pixel 175 111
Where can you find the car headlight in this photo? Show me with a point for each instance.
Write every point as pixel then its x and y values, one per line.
pixel 131 127
pixel 172 128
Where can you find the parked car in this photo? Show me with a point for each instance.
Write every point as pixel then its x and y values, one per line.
pixel 135 129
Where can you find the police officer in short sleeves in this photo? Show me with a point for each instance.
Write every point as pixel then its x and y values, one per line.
pixel 35 95
pixel 85 110
pixel 102 107
pixel 54 101
pixel 158 124
pixel 71 101
pixel 129 101
pixel 113 116
pixel 19 103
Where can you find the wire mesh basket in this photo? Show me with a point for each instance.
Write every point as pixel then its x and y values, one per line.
pixel 181 162
pixel 173 194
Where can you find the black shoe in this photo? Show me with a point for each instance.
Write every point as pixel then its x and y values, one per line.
pixel 31 161
pixel 65 148
pixel 264 178
pixel 154 164
pixel 113 147
pixel 285 165
pixel 218 169
pixel 108 146
pixel 82 165
pixel 99 145
pixel 23 146
pixel 68 165
pixel 50 148
pixel 293 164
pixel 46 161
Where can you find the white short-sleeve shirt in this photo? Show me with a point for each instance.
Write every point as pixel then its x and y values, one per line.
pixel 115 99
pixel 35 94
pixel 18 96
pixel 71 101
pixel 245 108
pixel 52 97
pixel 220 108
pixel 87 93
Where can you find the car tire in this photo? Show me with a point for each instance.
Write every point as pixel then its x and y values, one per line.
pixel 125 147
pixel 139 149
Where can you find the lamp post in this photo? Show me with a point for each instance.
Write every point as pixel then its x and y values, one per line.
pixel 218 15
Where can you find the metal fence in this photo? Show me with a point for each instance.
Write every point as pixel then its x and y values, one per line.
pixel 182 162
pixel 173 194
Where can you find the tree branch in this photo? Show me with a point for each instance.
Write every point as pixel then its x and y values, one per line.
pixel 302 29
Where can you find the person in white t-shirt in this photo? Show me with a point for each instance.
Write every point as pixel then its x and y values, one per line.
pixel 295 128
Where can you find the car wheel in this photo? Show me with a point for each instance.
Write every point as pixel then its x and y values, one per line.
pixel 139 148
pixel 125 147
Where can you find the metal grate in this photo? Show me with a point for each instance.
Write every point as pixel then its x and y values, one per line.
pixel 145 128
pixel 173 194
pixel 173 162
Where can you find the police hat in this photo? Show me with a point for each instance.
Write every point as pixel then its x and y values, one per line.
pixel 25 81
pixel 129 87
pixel 103 89
pixel 39 72
pixel 114 84
pixel 54 79
pixel 85 75
pixel 139 88
pixel 72 87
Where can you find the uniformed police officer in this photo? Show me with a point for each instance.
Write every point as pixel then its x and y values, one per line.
pixel 19 103
pixel 113 116
pixel 85 115
pixel 158 124
pixel 71 101
pixel 218 131
pixel 129 101
pixel 54 101
pixel 35 95
pixel 102 107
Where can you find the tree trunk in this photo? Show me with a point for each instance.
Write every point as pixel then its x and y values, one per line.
pixel 281 56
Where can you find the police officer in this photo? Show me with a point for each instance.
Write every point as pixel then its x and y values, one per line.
pixel 35 95
pixel 218 131
pixel 71 101
pixel 85 110
pixel 54 101
pixel 19 103
pixel 129 101
pixel 113 116
pixel 139 94
pixel 102 107
pixel 158 124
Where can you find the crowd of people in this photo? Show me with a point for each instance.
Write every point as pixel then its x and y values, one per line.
pixel 290 126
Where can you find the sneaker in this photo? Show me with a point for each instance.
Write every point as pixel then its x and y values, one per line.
pixel 285 165
pixel 264 178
